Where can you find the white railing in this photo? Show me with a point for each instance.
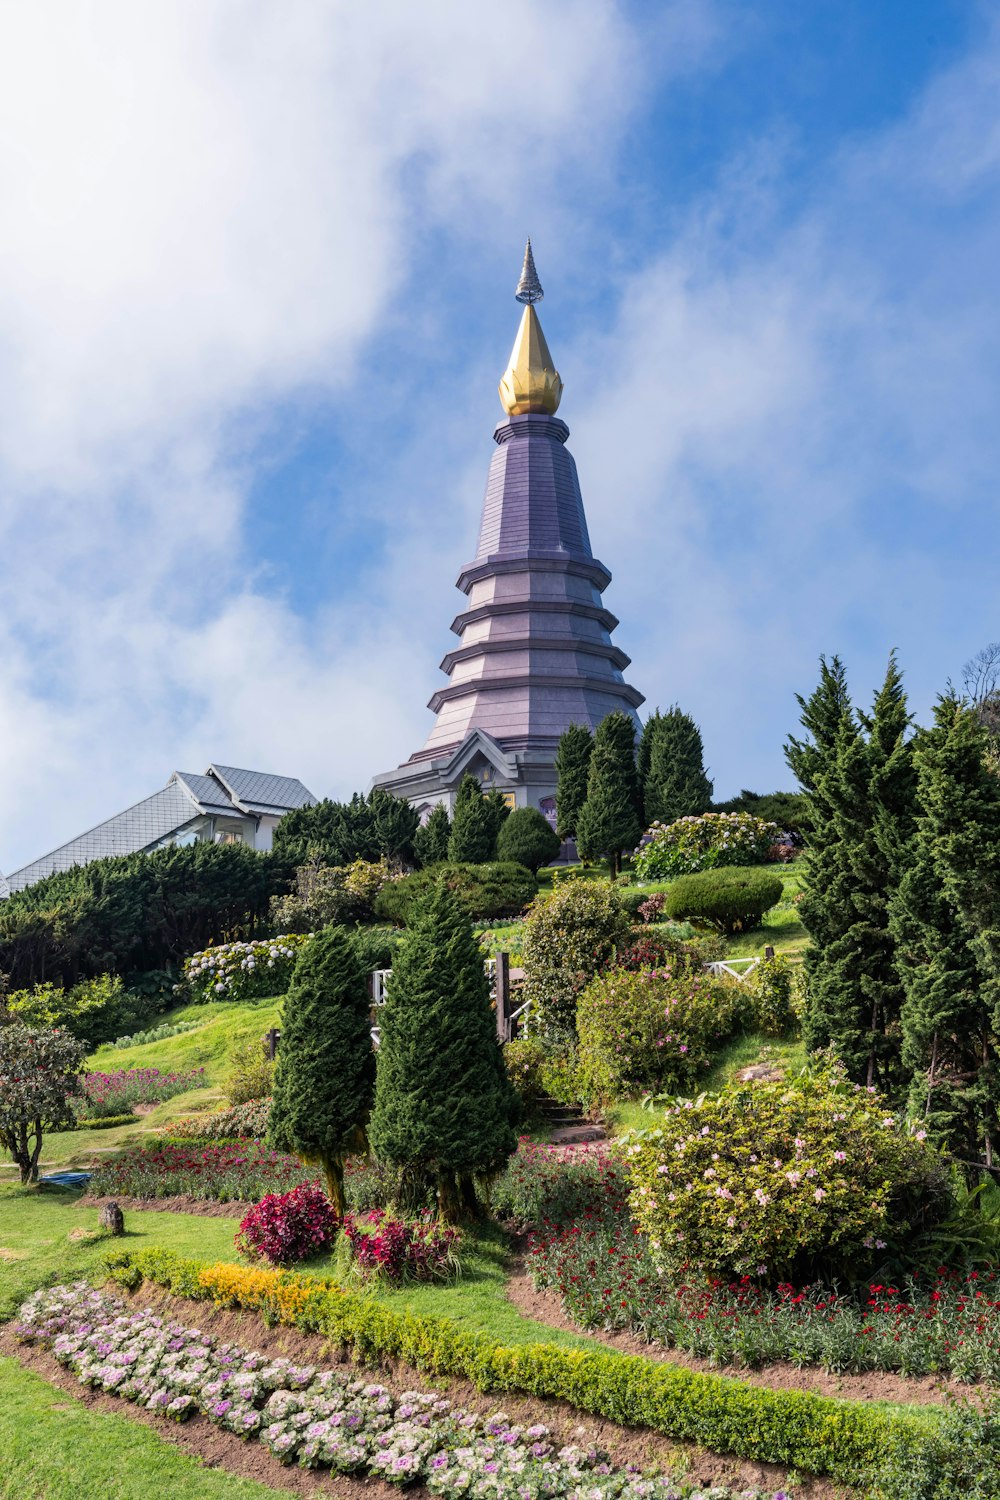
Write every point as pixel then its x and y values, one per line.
pixel 728 966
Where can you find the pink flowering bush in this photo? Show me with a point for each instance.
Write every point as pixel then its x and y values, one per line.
pixel 286 1227
pixel 782 1183
pixel 652 1031
pixel 402 1251
pixel 119 1092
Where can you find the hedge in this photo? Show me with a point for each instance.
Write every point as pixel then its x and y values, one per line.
pixel 848 1440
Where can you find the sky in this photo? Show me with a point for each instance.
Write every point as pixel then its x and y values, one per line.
pixel 257 267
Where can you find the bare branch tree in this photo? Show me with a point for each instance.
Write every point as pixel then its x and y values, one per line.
pixel 981 681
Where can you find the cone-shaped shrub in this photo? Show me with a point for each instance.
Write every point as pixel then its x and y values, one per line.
pixel 528 839
pixel 325 1078
pixel 443 1102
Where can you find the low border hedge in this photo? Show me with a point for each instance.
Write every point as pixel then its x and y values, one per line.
pixel 847 1440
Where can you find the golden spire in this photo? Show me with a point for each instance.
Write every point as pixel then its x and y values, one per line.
pixel 531 381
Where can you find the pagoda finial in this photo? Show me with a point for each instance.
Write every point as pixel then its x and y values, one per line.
pixel 529 288
pixel 531 381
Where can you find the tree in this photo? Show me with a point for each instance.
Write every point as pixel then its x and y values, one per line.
pixel 444 1106
pixel 473 835
pixel 325 1076
pixel 528 839
pixel 339 832
pixel 39 1075
pixel 572 765
pixel 675 784
pixel 430 843
pixel 499 810
pixel 608 822
pixel 568 939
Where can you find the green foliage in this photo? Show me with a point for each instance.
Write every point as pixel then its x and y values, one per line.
pixel 371 828
pixel 527 838
pixel 325 1076
pixel 572 768
pixel 954 1462
pixel 788 811
pixel 251 1074
pixel 443 1102
pixel 325 895
pixel 94 1010
pixel 814 1181
pixel 39 1076
pixel 712 841
pixel 525 1061
pixel 610 820
pixel 651 1032
pixel 851 1441
pixel 134 912
pixel 672 768
pixel 376 947
pixel 242 971
pixel 483 891
pixel 567 940
pixel 473 837
pixel 729 900
pixel 767 996
pixel 430 842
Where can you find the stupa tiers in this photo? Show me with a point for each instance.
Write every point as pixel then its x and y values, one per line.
pixel 535 652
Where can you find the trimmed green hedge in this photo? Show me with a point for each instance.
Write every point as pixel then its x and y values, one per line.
pixel 850 1441
pixel 731 900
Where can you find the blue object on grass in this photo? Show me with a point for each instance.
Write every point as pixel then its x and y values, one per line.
pixel 65 1179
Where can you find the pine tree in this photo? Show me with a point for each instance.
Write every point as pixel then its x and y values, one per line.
pixel 325 1076
pixel 619 732
pixel 608 822
pixel 473 830
pixel 430 842
pixel 644 754
pixel 499 810
pixel 527 838
pixel 572 766
pixel 443 1103
pixel 675 784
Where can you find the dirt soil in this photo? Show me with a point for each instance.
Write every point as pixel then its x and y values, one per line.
pixel 625 1445
pixel 183 1204
pixel 784 1376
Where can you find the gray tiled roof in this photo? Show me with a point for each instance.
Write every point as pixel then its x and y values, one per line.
pixel 4 887
pixel 205 791
pixel 259 792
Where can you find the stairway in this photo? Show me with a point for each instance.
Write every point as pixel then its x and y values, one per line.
pixel 567 1124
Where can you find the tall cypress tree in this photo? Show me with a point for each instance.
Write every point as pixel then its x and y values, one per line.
pixel 444 1106
pixel 608 822
pixel 572 766
pixel 675 784
pixel 324 1081
pixel 473 835
pixel 430 842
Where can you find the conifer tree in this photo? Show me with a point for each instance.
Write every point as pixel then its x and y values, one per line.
pixel 473 836
pixel 675 783
pixel 499 811
pixel 325 1076
pixel 527 838
pixel 572 767
pixel 444 1106
pixel 608 822
pixel 430 842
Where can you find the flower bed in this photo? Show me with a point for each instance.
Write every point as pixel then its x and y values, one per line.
pixel 318 1418
pixel 241 1172
pixel 242 971
pixel 545 1186
pixel 401 1250
pixel 285 1227
pixel 119 1092
pixel 242 1122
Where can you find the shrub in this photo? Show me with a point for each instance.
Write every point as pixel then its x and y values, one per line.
pixel 568 940
pixel 243 971
pixel 669 945
pixel 525 1060
pixel 803 1183
pixel 376 947
pixel 703 843
pixel 430 842
pixel 286 1227
pixel 325 894
pixel 116 1093
pixel 338 832
pixel 650 1032
pixel 483 891
pixel 402 1251
pixel 242 1122
pixel 39 1080
pixel 527 838
pixel 651 909
pixel 93 1011
pixel 767 993
pixel 728 900
pixel 251 1076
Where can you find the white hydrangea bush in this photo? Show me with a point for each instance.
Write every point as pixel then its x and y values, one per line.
pixel 242 971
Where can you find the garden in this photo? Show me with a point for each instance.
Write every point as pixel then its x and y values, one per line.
pixel 232 1225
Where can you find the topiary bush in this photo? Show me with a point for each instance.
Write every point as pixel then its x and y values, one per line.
pixel 650 1032
pixel 729 900
pixel 569 939
pixel 528 839
pixel 810 1182
pixel 483 891
pixel 287 1227
pixel 703 843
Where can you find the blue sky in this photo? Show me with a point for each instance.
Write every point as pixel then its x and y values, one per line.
pixel 256 275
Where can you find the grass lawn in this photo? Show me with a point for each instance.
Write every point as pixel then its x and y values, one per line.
pixel 210 1046
pixel 42 1240
pixel 55 1449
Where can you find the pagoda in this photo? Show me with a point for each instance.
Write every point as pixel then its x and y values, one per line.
pixel 534 651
